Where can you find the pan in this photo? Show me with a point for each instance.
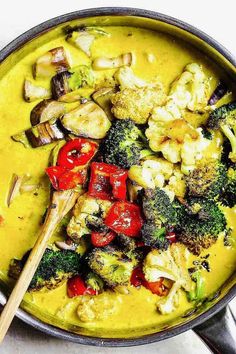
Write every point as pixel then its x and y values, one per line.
pixel 212 320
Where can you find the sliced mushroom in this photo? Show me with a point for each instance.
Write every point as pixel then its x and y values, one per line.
pixel 103 98
pixel 87 120
pixel 53 61
pixel 103 63
pixel 44 133
pixel 46 110
pixel 65 246
pixel 33 92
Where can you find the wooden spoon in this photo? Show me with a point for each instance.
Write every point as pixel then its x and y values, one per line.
pixel 61 203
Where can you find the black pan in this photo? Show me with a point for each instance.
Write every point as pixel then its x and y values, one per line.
pixel 212 321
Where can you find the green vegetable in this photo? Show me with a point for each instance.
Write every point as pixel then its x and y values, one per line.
pixel 224 118
pixel 94 281
pixel 112 265
pixel 54 267
pixel 208 179
pixel 228 197
pixel 124 144
pixel 81 76
pixel 199 222
pixel 199 292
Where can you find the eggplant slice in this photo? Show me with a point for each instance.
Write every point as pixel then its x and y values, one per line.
pixel 33 92
pixel 46 110
pixel 50 63
pixel 87 120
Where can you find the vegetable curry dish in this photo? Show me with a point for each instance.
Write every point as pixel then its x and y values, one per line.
pixel 142 126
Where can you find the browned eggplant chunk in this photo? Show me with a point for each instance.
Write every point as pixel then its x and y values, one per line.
pixel 44 133
pixel 46 110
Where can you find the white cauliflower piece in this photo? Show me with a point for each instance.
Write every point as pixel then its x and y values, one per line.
pixel 127 79
pixel 86 207
pixel 172 265
pixel 177 183
pixel 152 173
pixel 89 308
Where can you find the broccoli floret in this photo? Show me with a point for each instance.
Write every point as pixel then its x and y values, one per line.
pixel 112 265
pixel 198 292
pixel 55 266
pixel 224 118
pixel 200 221
pixel 228 198
pixel 94 281
pixel 154 236
pixel 125 242
pixel 207 179
pixel 137 103
pixel 124 144
pixel 160 214
pixel 158 208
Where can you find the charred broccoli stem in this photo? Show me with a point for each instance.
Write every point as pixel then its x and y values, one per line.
pixel 112 265
pixel 200 221
pixel 224 118
pixel 207 179
pixel 54 267
pixel 124 144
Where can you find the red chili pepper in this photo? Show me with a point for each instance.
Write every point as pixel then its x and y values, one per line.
pixel 171 236
pixel 124 218
pixel 137 278
pixel 101 239
pixel 63 179
pixel 157 287
pixel 118 183
pixel 103 185
pixel 76 152
pixel 76 286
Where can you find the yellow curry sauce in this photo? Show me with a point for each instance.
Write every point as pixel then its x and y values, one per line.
pixel 22 219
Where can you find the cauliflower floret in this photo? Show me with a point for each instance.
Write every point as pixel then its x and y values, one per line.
pixel 127 79
pixel 137 103
pixel 192 151
pixel 152 173
pixel 191 89
pixel 172 265
pixel 95 308
pixel 86 208
pixel 177 183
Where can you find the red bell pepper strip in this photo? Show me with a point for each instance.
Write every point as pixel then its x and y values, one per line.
pixel 107 181
pixel 171 236
pixel 137 278
pixel 63 179
pixel 157 287
pixel 101 239
pixel 76 286
pixel 124 218
pixel 118 183
pixel 76 152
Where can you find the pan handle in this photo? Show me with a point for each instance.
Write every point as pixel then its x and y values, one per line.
pixel 219 332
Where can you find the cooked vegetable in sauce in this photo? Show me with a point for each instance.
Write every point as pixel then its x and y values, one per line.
pixel 149 139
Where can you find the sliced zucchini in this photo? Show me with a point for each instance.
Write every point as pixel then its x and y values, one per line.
pixel 87 120
pixel 50 63
pixel 46 110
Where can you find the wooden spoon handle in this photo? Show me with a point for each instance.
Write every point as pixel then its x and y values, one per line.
pixel 62 202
